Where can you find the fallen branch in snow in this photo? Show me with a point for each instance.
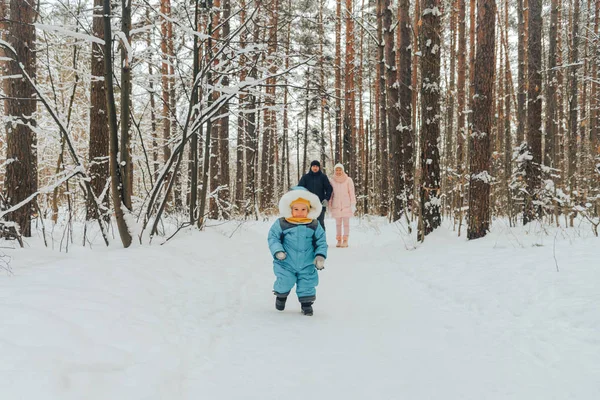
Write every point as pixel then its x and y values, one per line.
pixel 5 263
pixel 554 252
pixel 184 225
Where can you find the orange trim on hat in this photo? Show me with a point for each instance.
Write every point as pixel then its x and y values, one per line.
pixel 301 201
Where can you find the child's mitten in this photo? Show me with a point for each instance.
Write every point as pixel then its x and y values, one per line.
pixel 320 262
pixel 280 255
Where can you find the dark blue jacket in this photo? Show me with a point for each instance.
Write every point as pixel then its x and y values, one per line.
pixel 317 183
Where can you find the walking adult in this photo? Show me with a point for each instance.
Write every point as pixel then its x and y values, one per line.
pixel 342 204
pixel 317 182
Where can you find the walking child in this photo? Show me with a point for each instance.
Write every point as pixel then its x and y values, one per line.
pixel 299 248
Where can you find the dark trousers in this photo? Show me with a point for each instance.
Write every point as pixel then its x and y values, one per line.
pixel 321 218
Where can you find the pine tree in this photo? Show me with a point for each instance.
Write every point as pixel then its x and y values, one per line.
pixel 479 165
pixel 21 170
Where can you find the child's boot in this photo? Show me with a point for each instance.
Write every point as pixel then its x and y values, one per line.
pixel 280 300
pixel 306 304
pixel 307 308
pixel 344 241
pixel 339 241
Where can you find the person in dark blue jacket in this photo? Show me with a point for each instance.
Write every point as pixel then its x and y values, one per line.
pixel 318 183
pixel 299 248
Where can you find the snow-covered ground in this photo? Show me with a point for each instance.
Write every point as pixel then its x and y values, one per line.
pixel 195 318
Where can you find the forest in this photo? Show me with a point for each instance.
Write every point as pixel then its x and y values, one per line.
pixel 120 115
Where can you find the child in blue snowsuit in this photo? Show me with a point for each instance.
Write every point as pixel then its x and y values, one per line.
pixel 298 245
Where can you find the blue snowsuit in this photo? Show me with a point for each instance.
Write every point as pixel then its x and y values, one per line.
pixel 302 243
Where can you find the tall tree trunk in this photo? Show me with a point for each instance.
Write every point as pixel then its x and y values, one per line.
pixel 410 163
pixel 21 141
pixel 584 143
pixel 151 83
pixel 125 150
pixel 3 72
pixel 338 81
pixel 177 195
pixel 323 101
pixel 561 99
pixel 224 193
pixel 448 162
pixel 479 165
pixel 240 154
pixel 166 35
pixel 251 128
pixel 430 117
pixel 360 156
pixel 551 120
pixel 116 177
pixel 377 108
pixel 306 112
pixel 573 101
pixel 382 158
pixel 284 177
pixel 394 159
pixel 349 115
pixel 462 112
pixel 508 146
pixel 521 93
pixel 270 122
pixel 207 160
pixel 99 135
pixel 193 164
pixel 214 209
pixel 594 129
pixel 534 110
pixel 405 90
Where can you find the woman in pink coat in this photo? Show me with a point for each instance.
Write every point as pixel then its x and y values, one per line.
pixel 342 204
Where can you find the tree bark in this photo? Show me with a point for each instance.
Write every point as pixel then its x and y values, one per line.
pixel 166 35
pixel 551 120
pixel 125 150
pixel 479 165
pixel 267 181
pixel 430 117
pixel 240 182
pixel 193 164
pixel 21 141
pixel 224 193
pixel 115 170
pixel 462 111
pixel 405 92
pixel 448 164
pixel 214 209
pixel 534 111
pixel 521 92
pixel 394 159
pixel 594 129
pixel 382 158
pixel 98 144
pixel 349 115
pixel 508 144
pixel 573 101
pixel 338 81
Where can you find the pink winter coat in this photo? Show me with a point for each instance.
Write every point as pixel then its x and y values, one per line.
pixel 343 198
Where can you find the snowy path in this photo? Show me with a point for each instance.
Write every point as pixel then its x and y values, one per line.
pixel 195 319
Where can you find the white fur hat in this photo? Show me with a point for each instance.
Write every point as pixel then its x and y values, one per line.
pixel 339 165
pixel 285 204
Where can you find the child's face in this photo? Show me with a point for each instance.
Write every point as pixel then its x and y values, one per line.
pixel 299 211
pixel 338 171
